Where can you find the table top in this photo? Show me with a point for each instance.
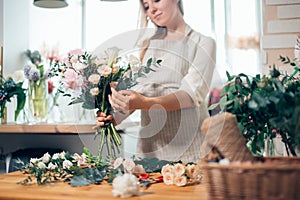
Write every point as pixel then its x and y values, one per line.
pixel 9 189
pixel 47 128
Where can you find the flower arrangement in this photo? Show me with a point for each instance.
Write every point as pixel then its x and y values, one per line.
pixel 87 79
pixel 37 76
pixel 10 87
pixel 265 106
pixel 181 174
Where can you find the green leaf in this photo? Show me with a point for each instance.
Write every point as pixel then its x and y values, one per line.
pixel 80 180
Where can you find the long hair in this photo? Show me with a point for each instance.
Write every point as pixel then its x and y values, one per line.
pixel 160 32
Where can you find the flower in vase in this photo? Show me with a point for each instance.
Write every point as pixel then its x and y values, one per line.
pixel 12 87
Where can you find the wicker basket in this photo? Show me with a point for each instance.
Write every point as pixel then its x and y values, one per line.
pixel 272 178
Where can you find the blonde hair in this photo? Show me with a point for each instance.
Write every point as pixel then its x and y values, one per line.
pixel 160 32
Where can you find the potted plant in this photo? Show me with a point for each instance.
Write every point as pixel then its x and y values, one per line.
pixel 265 106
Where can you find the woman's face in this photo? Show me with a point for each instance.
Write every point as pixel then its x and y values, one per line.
pixel 161 12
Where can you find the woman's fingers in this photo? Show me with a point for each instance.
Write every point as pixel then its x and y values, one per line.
pixel 119 100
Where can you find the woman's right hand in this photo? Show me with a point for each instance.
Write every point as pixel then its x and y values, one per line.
pixel 102 118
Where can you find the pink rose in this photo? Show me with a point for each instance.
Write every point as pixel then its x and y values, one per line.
pixel 73 80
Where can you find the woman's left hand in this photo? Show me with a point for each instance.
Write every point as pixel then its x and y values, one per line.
pixel 126 100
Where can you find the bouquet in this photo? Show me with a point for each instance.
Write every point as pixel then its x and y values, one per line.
pixel 87 79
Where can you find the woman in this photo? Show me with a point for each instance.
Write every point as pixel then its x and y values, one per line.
pixel 171 99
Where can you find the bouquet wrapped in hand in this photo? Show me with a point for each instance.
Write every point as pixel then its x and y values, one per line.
pixel 89 78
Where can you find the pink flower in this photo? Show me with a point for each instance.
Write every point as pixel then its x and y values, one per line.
pixel 73 81
pixel 76 52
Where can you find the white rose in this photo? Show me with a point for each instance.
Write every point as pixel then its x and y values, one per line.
pixel 52 166
pixel 104 70
pixel 125 186
pixel 94 78
pixel 81 160
pixel 179 169
pixel 128 164
pixel 115 68
pixel 55 156
pixel 168 178
pixel 118 162
pixel 94 91
pixel 46 157
pixel 79 66
pixel 67 164
pixel 180 180
pixel 62 155
pixel 33 161
pixel 193 171
pixel 41 165
pixel 167 169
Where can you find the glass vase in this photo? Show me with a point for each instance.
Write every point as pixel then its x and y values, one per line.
pixel 269 147
pixel 38 101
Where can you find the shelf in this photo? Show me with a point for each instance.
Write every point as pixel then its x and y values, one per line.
pixel 47 128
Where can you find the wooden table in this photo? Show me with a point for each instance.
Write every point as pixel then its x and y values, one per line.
pixel 9 189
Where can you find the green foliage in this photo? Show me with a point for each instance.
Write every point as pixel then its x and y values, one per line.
pixel 265 105
pixel 9 89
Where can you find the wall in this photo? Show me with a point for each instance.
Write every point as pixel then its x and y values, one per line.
pixel 281 27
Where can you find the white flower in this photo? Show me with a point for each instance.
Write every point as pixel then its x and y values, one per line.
pixel 179 169
pixel 125 186
pixel 115 68
pixel 67 164
pixel 33 161
pixel 46 157
pixel 79 66
pixel 104 70
pixel 55 156
pixel 180 180
pixel 100 61
pixel 18 76
pixel 81 160
pixel 134 64
pixel 94 78
pixel 94 91
pixel 118 162
pixel 41 165
pixel 112 54
pixel 133 60
pixel 193 171
pixel 167 169
pixel 168 178
pixel 128 164
pixel 52 166
pixel 62 155
pixel 138 169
